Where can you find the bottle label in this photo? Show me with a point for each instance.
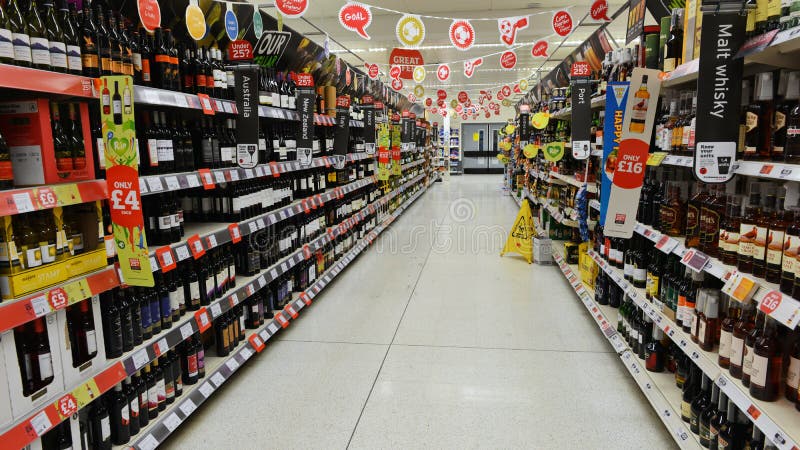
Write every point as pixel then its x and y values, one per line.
pixel 58 54
pixel 165 150
pixel 91 342
pixel 747 360
pixel 174 301
pixel 701 331
pixel 759 245
pixel 686 409
pixel 191 365
pixel 6 44
pixel 731 242
pixel 725 344
pixel 146 70
pixel 207 152
pixel 45 366
pixel 780 121
pixel 751 121
pixel 165 222
pixel 161 390
pixel 194 291
pixel 775 248
pixel 48 252
pixel 116 107
pixel 758 370
pixel 737 351
pixel 40 51
pixel 22 47
pixel 134 407
pixel 74 62
pixel 747 234
pixel 105 428
pixel 226 153
pixel 152 397
pixel 793 373
pixel 152 152
pixel 124 415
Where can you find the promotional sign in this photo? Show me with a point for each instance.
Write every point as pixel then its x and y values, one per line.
pixel 305 109
pixel 539 50
pixel 508 60
pixel 443 72
pixel 195 21
pixel 341 135
pixel 406 132
pixel 397 148
pixel 553 151
pixel 246 79
pixel 258 23
pixel 367 106
pixel 240 50
pixel 122 178
pixel 718 97
pixel 384 151
pixel 292 9
pixel 616 98
pixel 562 23
pixel 149 14
pixel 406 60
pixel 637 128
pixel 462 34
pixel 520 240
pixel 636 15
pixel 470 65
pixel 231 23
pixel 581 110
pixel 508 27
pixel 356 17
pixel 410 30
pixel 270 47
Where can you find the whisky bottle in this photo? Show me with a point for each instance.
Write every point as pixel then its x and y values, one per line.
pixel 766 369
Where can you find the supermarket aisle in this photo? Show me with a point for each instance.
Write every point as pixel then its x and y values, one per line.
pixel 431 340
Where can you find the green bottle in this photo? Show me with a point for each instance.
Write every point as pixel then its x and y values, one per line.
pixel 19 35
pixel 55 38
pixel 40 48
pixel 6 38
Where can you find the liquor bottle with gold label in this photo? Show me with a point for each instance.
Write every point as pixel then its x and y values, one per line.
pixel 639 111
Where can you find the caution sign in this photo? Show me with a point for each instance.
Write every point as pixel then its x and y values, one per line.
pixel 520 240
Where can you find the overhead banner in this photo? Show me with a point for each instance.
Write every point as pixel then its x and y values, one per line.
pixel 616 98
pixel 341 136
pixel 636 15
pixel 368 107
pixel 305 108
pixel 718 100
pixel 581 110
pixel 247 121
pixel 637 129
pixel 122 179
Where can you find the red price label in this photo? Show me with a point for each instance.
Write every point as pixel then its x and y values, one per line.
pixel 206 179
pixel 236 233
pixel 580 69
pixel 239 50
pixel 306 252
pixel 275 169
pixel 282 321
pixel 196 246
pixel 58 298
pixel 202 319
pixel 305 299
pixel 124 198
pixel 770 302
pixel 166 259
pixel 256 342
pixel 290 309
pixel 205 103
pixel 67 405
pixel 46 197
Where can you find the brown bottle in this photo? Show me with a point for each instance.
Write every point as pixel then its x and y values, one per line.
pixel 791 248
pixel 693 215
pixel 749 344
pixel 766 369
pixel 793 371
pixel 726 333
pixel 708 321
pixel 711 213
pixel 673 212
pixel 748 231
pixel 729 236
pixel 775 240
pixel 762 236
pixel 697 315
pixel 741 329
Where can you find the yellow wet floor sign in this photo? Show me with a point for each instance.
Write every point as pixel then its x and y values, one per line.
pixel 520 240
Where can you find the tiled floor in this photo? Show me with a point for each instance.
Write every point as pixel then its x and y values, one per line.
pixel 431 340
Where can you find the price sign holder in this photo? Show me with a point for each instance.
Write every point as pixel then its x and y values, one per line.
pixel 305 108
pixel 122 178
pixel 368 106
pixel 581 109
pixel 341 135
pixel 246 78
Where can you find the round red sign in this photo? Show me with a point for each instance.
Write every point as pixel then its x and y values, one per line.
pixel 463 97
pixel 292 8
pixel 562 23
pixel 508 60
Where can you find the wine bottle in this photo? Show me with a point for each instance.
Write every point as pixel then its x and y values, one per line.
pixel 90 50
pixel 55 38
pixel 71 38
pixel 6 38
pixel 146 51
pixel 162 71
pixel 40 50
pixel 100 425
pixel 103 44
pixel 126 51
pixel 116 104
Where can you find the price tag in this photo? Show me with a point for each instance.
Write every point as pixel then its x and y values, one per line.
pixel 216 310
pixel 248 173
pixel 275 169
pixel 155 184
pixel 305 298
pixel 784 309
pixel 261 224
pixel 282 320
pixel 160 347
pixel 186 330
pixel 165 259
pixel 246 353
pixel 206 389
pixel 147 443
pixel 172 422
pixel 227 107
pixel 262 281
pixel 202 319
pixel 217 379
pixel 252 226
pixel 234 174
pixel 257 341
pixel 41 423
pixel 211 241
pixel 282 214
pixel 153 264
pixel 187 407
pixel 236 234
pixel 289 308
pixel 182 252
pixel 219 177
pixel 232 364
pixel 172 183
pixel 40 306
pixel 180 101
pixel 23 202
pixel 196 246
pixel 140 358
pixel 192 180
pixel 207 179
pixel 695 260
pixel 272 328
pixel 273 273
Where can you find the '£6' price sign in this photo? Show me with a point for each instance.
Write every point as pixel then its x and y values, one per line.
pixel 46 197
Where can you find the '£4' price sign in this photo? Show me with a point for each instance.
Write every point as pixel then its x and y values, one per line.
pixel 124 197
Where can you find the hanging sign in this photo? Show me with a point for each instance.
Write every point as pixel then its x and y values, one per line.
pixel 397 144
pixel 463 97
pixel 539 49
pixel 293 9
pixel 540 120
pixel 367 106
pixel 410 30
pixel 246 79
pixel 150 14
pixel 231 22
pixel 373 71
pixel 397 84
pixel 384 151
pixel 509 26
pixel 553 151
pixel 524 124
pixel 562 23
pixel 258 22
pixel 508 60
pixel 523 84
pixel 443 72
pixel 637 127
pixel 462 34
pixel 636 13
pixel 270 47
pixel 470 65
pixel 599 10
pixel 419 91
pixel 122 179
pixel 406 60
pixel 356 17
pixel 616 99
pixel 441 94
pixel 581 109
pixel 195 21
pixel 419 74
pixel 305 109
pixel 341 136
pixel 718 97
pixel 240 50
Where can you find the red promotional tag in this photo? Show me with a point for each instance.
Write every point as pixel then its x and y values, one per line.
pixel 320 202
pixel 304 205
pixel 443 72
pixel 305 298
pixel 240 50
pixel 46 198
pixel 275 169
pixel 562 23
pixel 356 17
pixel 236 233
pixel 202 319
pixel 580 69
pixel 306 252
pixel 256 341
pixel 57 298
pixel 205 103
pixel 599 10
pixel 196 246
pixel 508 60
pixel 206 179
pixel 149 14
pixel 462 97
pixel 166 259
pixel 282 321
pixel 290 309
pixel 539 49
pixel 292 8
pixel 67 406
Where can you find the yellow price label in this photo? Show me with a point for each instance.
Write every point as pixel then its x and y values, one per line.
pixel 655 159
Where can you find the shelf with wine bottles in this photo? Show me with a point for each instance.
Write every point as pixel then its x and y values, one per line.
pixel 775 419
pixel 18 201
pixel 187 180
pixel 211 234
pixel 412 164
pixel 590 187
pixel 789 311
pixel 220 370
pixel 659 388
pixel 16 312
pixel 46 82
pixel 26 430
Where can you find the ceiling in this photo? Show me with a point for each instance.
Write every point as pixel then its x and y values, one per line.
pixel 436 48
